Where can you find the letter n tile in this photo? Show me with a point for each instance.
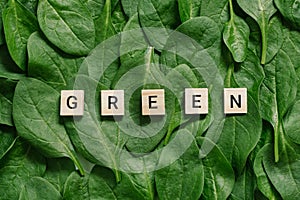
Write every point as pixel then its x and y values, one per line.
pixel 235 100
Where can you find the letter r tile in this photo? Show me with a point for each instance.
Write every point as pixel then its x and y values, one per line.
pixel 72 103
pixel 235 100
pixel 112 102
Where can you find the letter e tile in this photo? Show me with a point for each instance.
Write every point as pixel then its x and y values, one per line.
pixel 196 101
pixel 153 102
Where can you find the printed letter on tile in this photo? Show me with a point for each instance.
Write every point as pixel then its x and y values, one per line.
pixel 235 100
pixel 112 102
pixel 153 102
pixel 72 103
pixel 196 101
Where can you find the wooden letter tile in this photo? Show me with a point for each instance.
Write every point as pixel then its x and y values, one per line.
pixel 72 103
pixel 153 102
pixel 235 100
pixel 112 102
pixel 196 101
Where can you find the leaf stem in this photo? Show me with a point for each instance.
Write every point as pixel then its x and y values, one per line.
pixel 170 129
pixel 264 43
pixel 229 75
pixel 117 175
pixel 77 163
pixel 167 138
pixel 276 141
pixel 231 10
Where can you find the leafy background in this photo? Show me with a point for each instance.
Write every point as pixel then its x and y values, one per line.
pixel 255 44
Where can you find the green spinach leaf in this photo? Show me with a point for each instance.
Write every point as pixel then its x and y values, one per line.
pixel 6 101
pixel 119 19
pixel 261 12
pixel 183 77
pixel 57 172
pixel 275 35
pixel 290 10
pixel 200 43
pixel 103 178
pixel 39 188
pixel 236 35
pixel 218 174
pixel 147 44
pixel 104 27
pixel 215 10
pixel 7 139
pixel 76 186
pixel 2 5
pixel 250 74
pixel 275 38
pixel 68 25
pixel 129 38
pixel 18 24
pixel 96 185
pixel 291 122
pixel 44 57
pixel 287 167
pixel 244 185
pixel 241 133
pixel 183 179
pixel 263 182
pixel 95 6
pixel 189 9
pixel 280 80
pixel 161 14
pixel 104 134
pixel 8 69
pixel 136 186
pixel 30 5
pixel 17 167
pixel 291 46
pixel 35 100
pixel 147 75
pixel 130 7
